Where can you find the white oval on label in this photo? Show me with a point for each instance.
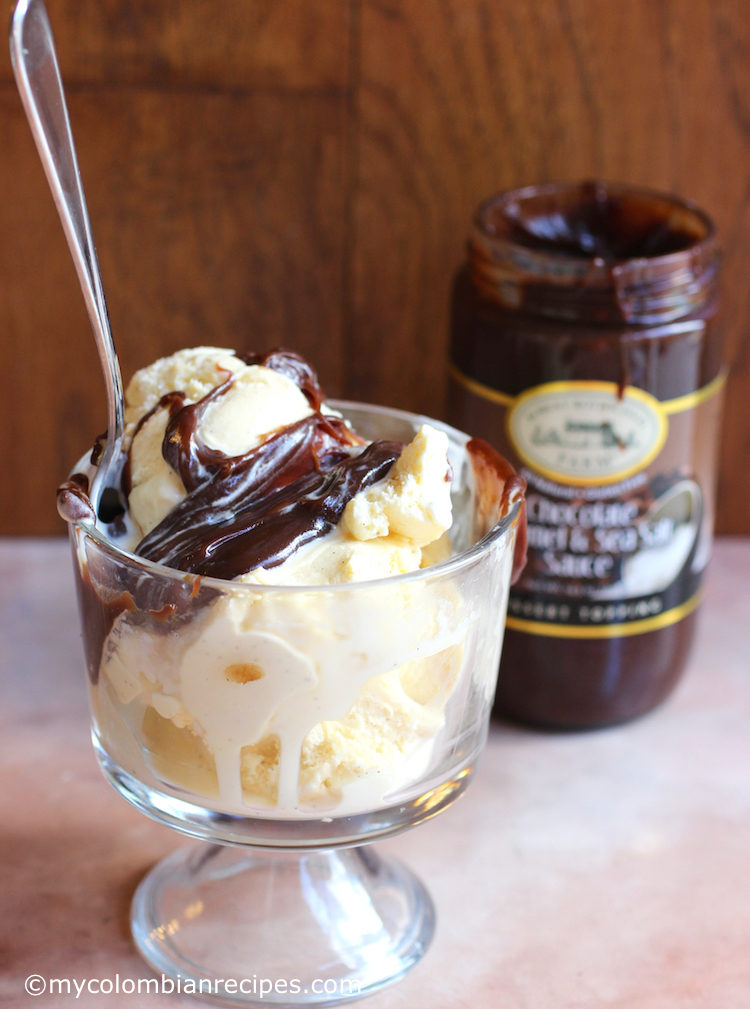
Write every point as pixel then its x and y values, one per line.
pixel 584 433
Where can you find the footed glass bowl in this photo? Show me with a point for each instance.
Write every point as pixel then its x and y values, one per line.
pixel 288 727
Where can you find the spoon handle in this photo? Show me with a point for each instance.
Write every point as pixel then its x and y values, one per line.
pixel 38 77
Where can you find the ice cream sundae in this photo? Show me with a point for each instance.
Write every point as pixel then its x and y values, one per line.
pixel 291 701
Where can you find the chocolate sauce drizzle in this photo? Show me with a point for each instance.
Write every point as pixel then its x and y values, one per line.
pixel 255 510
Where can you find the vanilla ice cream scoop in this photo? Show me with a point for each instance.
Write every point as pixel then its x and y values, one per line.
pixel 257 401
pixel 413 501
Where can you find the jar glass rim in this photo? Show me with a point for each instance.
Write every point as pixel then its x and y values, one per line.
pixel 546 191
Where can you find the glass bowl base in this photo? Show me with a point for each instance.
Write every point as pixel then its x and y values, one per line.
pixel 310 833
pixel 238 927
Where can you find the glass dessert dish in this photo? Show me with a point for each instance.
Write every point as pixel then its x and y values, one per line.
pixel 288 727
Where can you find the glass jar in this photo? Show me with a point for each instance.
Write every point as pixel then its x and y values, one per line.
pixel 585 347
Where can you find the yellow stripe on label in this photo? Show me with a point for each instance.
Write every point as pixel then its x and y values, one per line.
pixel 665 619
pixel 668 406
pixel 493 395
pixel 693 399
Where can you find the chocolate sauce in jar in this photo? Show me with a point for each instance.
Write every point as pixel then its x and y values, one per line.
pixel 585 348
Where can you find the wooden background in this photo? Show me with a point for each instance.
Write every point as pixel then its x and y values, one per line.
pixel 303 172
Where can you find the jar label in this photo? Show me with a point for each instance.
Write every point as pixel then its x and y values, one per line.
pixel 619 500
pixel 586 433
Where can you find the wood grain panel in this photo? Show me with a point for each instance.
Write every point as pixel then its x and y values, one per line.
pixel 218 219
pixel 286 44
pixel 464 97
pixel 267 171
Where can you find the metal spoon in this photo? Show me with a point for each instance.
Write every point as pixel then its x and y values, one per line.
pixel 32 51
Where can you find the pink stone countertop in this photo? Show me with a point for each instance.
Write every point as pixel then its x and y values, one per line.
pixel 608 870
